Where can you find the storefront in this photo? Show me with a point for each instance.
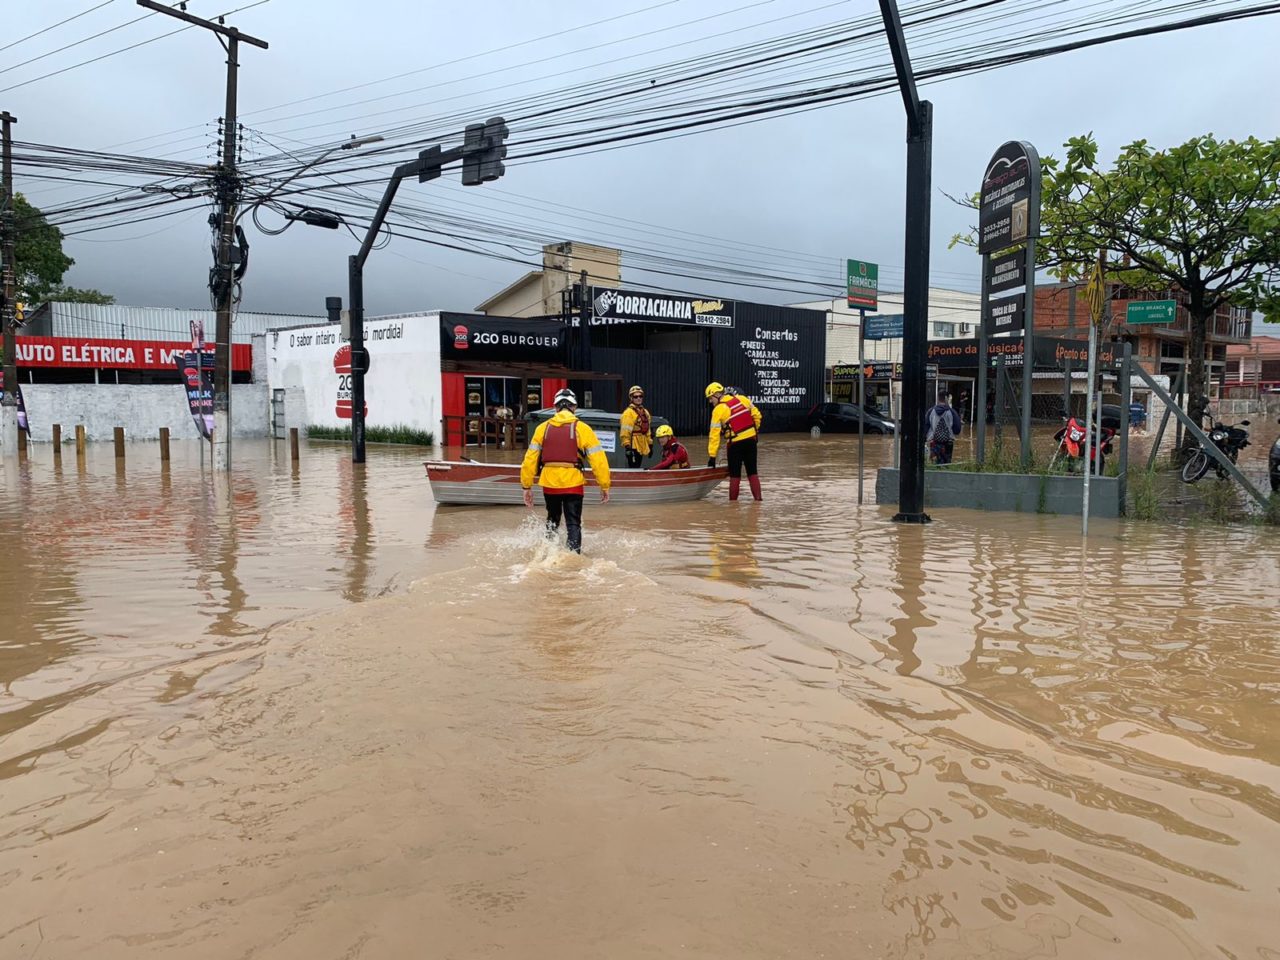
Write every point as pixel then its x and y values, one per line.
pixel 472 379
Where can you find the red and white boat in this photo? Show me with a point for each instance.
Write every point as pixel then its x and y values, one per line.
pixel 466 481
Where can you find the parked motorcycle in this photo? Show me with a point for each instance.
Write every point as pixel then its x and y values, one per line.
pixel 1071 444
pixel 1273 465
pixel 1230 440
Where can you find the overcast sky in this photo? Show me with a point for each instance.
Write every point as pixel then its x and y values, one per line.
pixel 828 182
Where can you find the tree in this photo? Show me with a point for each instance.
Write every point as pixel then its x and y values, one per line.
pixel 1203 218
pixel 39 261
pixel 80 295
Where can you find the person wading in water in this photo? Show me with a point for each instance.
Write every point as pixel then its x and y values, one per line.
pixel 737 421
pixel 554 459
pixel 637 441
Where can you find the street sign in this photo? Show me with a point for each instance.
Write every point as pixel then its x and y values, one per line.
pixel 1151 311
pixel 864 284
pixel 1007 272
pixel 883 326
pixel 1005 314
pixel 1009 202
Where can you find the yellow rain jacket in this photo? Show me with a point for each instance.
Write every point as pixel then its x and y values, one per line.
pixel 556 478
pixel 641 443
pixel 720 427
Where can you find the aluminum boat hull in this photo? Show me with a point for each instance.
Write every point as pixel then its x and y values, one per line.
pixel 454 481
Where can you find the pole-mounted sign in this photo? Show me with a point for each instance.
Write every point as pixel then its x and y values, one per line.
pixel 1009 205
pixel 1008 225
pixel 864 284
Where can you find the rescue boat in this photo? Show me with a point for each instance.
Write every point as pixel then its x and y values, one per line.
pixel 466 481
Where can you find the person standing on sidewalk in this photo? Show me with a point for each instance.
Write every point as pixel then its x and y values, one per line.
pixel 555 459
pixel 637 440
pixel 736 421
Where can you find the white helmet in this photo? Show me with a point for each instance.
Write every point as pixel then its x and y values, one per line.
pixel 565 398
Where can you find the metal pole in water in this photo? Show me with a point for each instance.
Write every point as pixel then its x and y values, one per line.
pixel 862 401
pixel 1088 425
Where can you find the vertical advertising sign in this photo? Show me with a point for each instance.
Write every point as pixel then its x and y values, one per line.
pixel 196 367
pixel 1009 218
pixel 864 284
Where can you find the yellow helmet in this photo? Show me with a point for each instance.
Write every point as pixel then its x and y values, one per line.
pixel 713 388
pixel 664 431
pixel 634 390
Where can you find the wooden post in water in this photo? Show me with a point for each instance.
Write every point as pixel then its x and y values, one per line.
pixel 119 434
pixel 293 444
pixel 164 444
pixel 57 441
pixel 22 442
pixel 79 439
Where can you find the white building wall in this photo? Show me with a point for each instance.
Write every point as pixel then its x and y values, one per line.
pixel 142 409
pixel 402 386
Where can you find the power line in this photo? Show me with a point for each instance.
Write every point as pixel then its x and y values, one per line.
pixel 132 46
pixel 32 36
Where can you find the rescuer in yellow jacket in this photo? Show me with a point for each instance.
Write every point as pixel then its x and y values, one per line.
pixel 736 420
pixel 554 459
pixel 637 435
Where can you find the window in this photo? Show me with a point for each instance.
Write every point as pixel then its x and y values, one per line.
pixel 944 331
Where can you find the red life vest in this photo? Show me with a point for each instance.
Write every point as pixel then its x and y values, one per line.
pixel 560 446
pixel 740 419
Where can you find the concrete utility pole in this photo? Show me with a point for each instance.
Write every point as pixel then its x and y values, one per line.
pixel 222 280
pixel 9 409
pixel 915 287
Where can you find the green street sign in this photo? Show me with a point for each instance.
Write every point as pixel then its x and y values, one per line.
pixel 864 284
pixel 1151 311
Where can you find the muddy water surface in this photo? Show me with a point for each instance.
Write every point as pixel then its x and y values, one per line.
pixel 793 729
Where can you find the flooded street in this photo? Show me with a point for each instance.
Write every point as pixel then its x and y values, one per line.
pixel 311 716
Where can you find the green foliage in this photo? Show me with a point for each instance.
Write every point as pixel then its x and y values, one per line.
pixel 81 295
pixel 1271 516
pixel 37 252
pixel 1203 218
pixel 1220 502
pixel 41 262
pixel 1145 491
pixel 395 433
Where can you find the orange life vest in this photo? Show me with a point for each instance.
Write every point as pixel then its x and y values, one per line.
pixel 740 418
pixel 560 446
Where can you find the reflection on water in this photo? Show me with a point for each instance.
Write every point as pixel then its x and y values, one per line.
pixel 789 728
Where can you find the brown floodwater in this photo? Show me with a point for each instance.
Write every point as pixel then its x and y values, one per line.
pixel 306 714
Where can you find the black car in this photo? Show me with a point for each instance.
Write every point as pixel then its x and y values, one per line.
pixel 848 418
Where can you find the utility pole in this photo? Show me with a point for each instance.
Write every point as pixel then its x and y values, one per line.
pixel 915 292
pixel 222 278
pixel 9 409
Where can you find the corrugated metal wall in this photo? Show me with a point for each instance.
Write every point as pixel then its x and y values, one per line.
pixel 776 356
pixel 117 321
pixel 673 383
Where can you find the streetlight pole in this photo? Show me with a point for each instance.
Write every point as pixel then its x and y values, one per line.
pixel 915 293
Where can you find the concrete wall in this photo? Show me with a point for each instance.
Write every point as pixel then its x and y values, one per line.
pixel 141 409
pixel 1012 492
pixel 402 386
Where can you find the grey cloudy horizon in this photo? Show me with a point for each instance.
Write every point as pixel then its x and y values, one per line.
pixel 829 183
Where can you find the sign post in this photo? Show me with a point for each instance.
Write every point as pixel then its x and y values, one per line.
pixel 863 292
pixel 862 398
pixel 1009 216
pixel 1094 296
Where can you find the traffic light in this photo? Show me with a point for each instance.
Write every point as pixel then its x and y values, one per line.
pixel 491 166
pixel 472 154
pixel 483 150
pixel 19 313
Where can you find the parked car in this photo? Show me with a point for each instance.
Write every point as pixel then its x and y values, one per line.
pixel 848 418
